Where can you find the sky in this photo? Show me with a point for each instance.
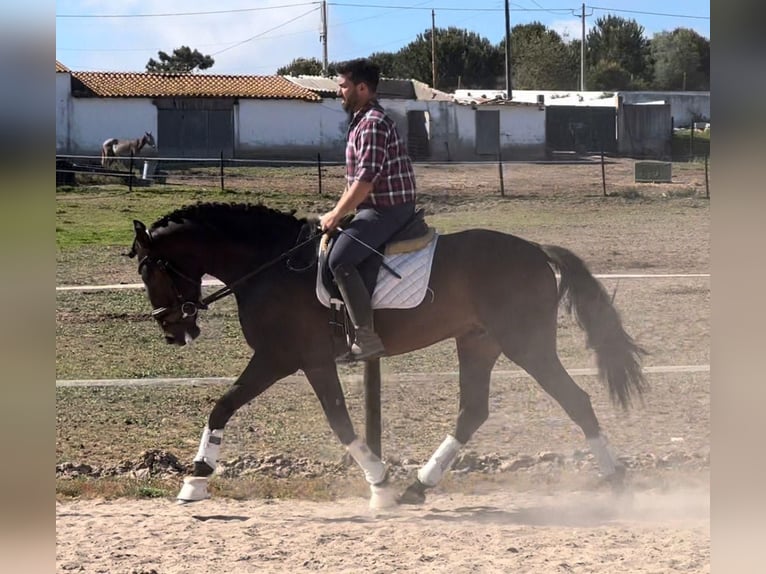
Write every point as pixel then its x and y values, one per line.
pixel 259 36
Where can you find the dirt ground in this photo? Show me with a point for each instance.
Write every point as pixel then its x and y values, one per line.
pixel 541 507
pixel 657 532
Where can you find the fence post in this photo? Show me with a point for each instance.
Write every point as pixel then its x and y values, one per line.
pixel 500 170
pixel 691 144
pixel 319 171
pixel 221 170
pixel 130 176
pixel 603 172
pixel 372 406
pixel 707 185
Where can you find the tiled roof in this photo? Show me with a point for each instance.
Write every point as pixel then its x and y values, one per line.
pixel 137 85
pixel 61 67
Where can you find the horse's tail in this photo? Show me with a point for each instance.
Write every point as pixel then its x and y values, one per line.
pixel 617 355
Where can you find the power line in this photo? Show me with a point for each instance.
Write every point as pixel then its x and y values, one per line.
pixel 169 14
pixel 649 13
pixel 443 8
pixel 266 31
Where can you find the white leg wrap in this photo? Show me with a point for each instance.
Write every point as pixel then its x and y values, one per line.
pixel 600 448
pixel 209 447
pixel 373 467
pixel 440 462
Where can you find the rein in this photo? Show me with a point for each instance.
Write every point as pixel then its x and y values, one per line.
pixel 229 289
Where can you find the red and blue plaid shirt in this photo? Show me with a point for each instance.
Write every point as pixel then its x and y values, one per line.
pixel 375 153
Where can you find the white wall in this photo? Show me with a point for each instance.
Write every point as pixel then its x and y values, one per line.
pixel 63 88
pixel 290 129
pixel 685 107
pixel 279 127
pixel 93 120
pixel 522 126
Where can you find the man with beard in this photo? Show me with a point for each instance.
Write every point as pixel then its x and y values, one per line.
pixel 380 187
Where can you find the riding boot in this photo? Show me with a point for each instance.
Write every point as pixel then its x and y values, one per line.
pixel 367 345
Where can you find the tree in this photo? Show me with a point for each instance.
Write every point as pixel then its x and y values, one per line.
pixel 615 41
pixel 305 67
pixel 183 60
pixel 681 60
pixel 463 59
pixel 540 60
pixel 388 63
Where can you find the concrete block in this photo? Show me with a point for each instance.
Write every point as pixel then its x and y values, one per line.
pixel 653 172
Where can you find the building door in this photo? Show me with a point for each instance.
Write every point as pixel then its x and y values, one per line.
pixel 418 135
pixel 195 128
pixel 487 132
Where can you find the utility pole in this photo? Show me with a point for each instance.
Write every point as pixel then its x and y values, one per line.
pixel 323 37
pixel 433 50
pixel 508 51
pixel 582 51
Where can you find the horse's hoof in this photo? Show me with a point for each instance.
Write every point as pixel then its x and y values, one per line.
pixel 193 490
pixel 616 480
pixel 415 494
pixel 381 496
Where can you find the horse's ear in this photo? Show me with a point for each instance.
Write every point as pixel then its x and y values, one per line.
pixel 143 238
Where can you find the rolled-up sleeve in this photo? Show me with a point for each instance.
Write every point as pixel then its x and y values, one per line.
pixel 372 138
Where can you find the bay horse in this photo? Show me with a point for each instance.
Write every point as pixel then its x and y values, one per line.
pixel 114 147
pixel 492 292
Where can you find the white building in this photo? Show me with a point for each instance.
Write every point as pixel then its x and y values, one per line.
pixel 276 117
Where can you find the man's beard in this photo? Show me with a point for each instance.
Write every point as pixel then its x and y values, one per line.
pixel 347 105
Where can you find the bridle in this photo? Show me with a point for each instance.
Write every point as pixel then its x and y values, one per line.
pixel 186 307
pixel 189 308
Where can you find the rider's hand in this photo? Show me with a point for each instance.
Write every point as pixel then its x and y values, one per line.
pixel 330 220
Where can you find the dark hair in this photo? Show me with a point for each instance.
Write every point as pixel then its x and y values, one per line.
pixel 361 70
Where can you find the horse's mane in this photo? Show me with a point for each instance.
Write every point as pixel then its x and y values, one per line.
pixel 242 221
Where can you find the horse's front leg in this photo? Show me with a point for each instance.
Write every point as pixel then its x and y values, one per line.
pixel 326 385
pixel 261 372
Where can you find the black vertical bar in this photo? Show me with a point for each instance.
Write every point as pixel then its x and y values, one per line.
pixel 130 177
pixel 372 405
pixel 221 170
pixel 691 144
pixel 500 169
pixel 603 171
pixel 707 185
pixel 319 171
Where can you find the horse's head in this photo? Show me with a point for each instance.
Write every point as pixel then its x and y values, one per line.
pixel 149 139
pixel 173 290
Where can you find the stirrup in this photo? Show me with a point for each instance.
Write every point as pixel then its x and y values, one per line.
pixel 351 357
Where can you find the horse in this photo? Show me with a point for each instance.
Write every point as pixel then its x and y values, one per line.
pixel 114 147
pixel 493 293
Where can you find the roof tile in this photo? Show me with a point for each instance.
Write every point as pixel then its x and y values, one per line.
pixel 150 85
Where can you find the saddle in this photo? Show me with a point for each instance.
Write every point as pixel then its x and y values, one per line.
pixel 407 247
pixel 415 234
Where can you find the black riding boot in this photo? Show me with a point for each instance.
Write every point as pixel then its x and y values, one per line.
pixel 367 345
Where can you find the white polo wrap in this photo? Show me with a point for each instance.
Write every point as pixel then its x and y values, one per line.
pixel 373 467
pixel 440 462
pixel 600 448
pixel 209 447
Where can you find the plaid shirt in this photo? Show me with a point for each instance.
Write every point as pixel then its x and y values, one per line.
pixel 375 153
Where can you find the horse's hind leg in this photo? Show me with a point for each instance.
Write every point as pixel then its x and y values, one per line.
pixel 477 353
pixel 542 362
pixel 260 373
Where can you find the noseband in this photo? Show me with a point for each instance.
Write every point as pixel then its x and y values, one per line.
pixel 185 307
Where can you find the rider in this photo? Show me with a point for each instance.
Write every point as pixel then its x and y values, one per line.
pixel 380 187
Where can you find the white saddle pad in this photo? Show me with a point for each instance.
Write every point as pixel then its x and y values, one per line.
pixel 392 292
